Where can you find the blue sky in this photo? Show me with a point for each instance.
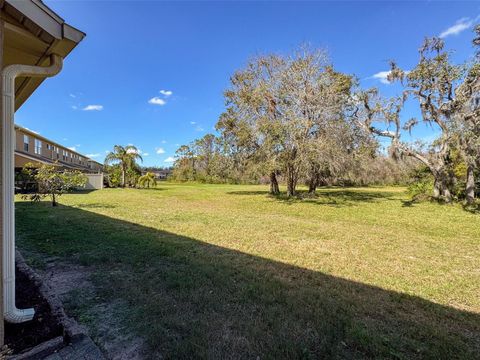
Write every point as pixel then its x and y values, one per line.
pixel 152 73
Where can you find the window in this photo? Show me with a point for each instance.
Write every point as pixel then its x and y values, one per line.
pixel 49 147
pixel 26 142
pixel 38 147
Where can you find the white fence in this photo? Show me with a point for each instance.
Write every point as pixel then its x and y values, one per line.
pixel 95 182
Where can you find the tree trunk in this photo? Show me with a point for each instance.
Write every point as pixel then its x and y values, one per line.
pixel 441 187
pixel 274 189
pixel 54 202
pixel 123 176
pixel 436 189
pixel 312 184
pixel 470 186
pixel 291 181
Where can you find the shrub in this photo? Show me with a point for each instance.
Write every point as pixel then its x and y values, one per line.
pixel 54 182
pixel 421 185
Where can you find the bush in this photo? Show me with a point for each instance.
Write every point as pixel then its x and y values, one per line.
pixel 53 182
pixel 421 185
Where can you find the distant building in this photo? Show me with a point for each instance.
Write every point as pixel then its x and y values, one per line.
pixel 160 174
pixel 30 147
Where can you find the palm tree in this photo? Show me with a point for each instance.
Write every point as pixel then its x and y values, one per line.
pixel 125 156
pixel 147 180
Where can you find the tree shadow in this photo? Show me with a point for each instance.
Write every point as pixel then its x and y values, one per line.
pixel 473 208
pixel 151 189
pixel 82 191
pixel 190 299
pixel 95 206
pixel 249 192
pixel 331 196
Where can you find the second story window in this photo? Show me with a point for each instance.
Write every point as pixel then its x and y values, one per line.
pixel 38 147
pixel 26 142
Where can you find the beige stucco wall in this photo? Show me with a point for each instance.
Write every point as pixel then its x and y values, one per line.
pixel 50 154
pixel 95 182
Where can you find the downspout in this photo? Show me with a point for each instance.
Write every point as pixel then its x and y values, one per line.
pixel 9 74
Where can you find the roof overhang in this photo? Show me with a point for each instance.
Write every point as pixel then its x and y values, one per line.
pixel 32 32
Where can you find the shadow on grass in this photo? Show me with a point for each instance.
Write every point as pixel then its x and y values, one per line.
pixel 472 208
pixel 325 196
pixel 151 189
pixel 189 299
pixel 82 191
pixel 95 206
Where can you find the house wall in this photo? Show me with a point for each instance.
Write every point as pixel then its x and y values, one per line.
pixel 95 167
pixel 46 150
pixel 95 181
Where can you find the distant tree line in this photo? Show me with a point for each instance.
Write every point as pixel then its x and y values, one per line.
pixel 298 120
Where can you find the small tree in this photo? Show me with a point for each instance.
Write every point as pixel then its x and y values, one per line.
pixel 26 177
pixel 148 180
pixel 53 183
pixel 125 156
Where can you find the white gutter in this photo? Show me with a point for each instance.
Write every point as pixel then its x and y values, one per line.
pixel 9 74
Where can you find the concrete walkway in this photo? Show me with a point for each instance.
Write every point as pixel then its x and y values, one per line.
pixel 82 348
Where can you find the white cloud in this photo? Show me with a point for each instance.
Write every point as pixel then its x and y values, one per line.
pixel 382 76
pixel 170 159
pixel 164 141
pixel 73 148
pixel 93 155
pixel 93 108
pixel 166 93
pixel 199 128
pixel 460 26
pixel 72 95
pixel 133 151
pixel 74 107
pixel 146 154
pixel 160 150
pixel 157 101
pixel 192 122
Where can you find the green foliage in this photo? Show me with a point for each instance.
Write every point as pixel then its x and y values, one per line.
pixel 421 185
pixel 53 182
pixel 132 175
pixel 147 181
pixel 113 175
pixel 25 178
pixel 125 157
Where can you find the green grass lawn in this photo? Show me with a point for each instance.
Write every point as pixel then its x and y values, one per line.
pixel 226 271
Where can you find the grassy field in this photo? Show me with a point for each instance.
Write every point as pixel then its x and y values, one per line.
pixel 225 271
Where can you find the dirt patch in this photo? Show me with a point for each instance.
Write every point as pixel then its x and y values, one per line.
pixel 63 278
pixel 115 340
pixel 44 325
